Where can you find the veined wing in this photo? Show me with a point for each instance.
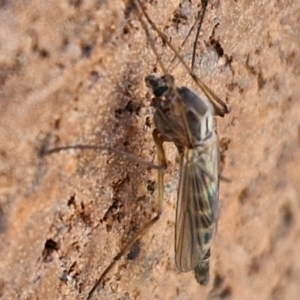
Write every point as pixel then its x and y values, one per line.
pixel 197 204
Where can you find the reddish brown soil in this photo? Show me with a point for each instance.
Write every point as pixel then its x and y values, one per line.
pixel 73 72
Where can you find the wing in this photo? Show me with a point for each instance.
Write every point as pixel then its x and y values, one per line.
pixel 197 204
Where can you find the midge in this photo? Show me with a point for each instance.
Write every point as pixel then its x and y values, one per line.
pixel 183 117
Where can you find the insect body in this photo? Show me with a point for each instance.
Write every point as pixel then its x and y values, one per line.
pixel 187 120
pixel 184 118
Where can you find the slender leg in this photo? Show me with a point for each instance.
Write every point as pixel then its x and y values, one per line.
pixel 120 254
pixel 201 18
pixel 45 151
pixel 161 158
pixel 160 173
pixel 220 107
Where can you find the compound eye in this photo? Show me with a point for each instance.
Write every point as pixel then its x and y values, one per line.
pixel 160 91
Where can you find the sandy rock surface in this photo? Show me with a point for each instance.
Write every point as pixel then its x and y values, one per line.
pixel 73 72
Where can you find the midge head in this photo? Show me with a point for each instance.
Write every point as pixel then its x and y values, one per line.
pixel 161 86
pixel 181 116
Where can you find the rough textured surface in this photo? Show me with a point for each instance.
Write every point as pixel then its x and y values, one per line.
pixel 73 72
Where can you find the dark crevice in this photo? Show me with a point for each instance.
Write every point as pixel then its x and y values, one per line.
pixel 49 248
pixel 87 50
pixel 134 251
pixel 217 47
